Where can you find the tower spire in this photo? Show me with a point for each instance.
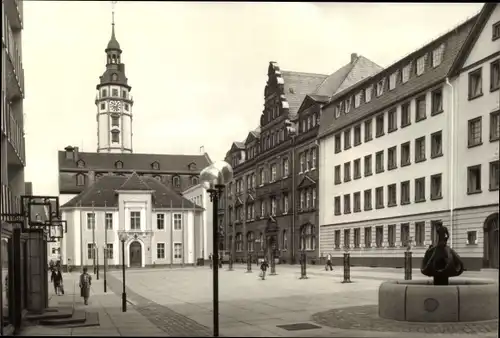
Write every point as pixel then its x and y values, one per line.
pixel 113 43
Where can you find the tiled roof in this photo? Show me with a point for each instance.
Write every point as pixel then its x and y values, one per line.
pixel 134 182
pixel 134 161
pixel 103 193
pixel 453 42
pixel 297 85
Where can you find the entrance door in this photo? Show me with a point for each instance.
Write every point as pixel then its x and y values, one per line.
pixel 135 254
pixel 178 253
pixel 491 241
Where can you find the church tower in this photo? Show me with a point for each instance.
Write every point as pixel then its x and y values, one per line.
pixel 114 102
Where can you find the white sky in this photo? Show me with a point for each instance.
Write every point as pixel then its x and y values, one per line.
pixel 197 70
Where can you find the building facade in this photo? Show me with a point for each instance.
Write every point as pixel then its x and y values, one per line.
pixel 386 156
pixel 271 203
pixel 475 168
pixel 162 227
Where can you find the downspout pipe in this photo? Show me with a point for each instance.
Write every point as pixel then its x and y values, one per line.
pixel 451 136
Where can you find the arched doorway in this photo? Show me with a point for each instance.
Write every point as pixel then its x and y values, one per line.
pixel 490 246
pixel 135 254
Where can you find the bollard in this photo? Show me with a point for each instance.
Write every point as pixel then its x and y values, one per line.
pixel 230 262
pixel 249 263
pixel 303 266
pixel 347 268
pixel 273 264
pixel 408 266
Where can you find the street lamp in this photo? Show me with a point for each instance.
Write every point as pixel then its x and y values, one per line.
pixel 214 178
pixel 123 237
pixel 105 251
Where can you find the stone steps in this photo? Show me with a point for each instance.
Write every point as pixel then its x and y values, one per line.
pixel 77 317
pixel 51 313
pixel 65 317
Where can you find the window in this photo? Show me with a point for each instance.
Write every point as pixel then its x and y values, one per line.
pixel 379 197
pixel 285 167
pixel 119 165
pixel 405 76
pixel 368 94
pixel 475 84
pixel 405 234
pixel 273 172
pixel 347 172
pixel 262 173
pixel 405 154
pixel 379 162
pixel 368 165
pixel 436 187
pixel 368 200
pixel 104 93
pixel 347 139
pixel 262 208
pixel 437 56
pixel 115 136
pixel 115 121
pixel 239 242
pixel 494 175
pixel 194 180
pixel 347 204
pixel 420 149
pixel 405 192
pixel 114 92
pixel 109 251
pixel 495 126
pixel 338 145
pixel 405 115
pixel 368 237
pixel 474 179
pixel 80 180
pixel 494 75
pixel 436 144
pixel 391 235
pixel 392 158
pixel 103 106
pixel 302 200
pixel 357 201
pixel 273 206
pixel 90 251
pixel 160 221
pixel 419 233
pixel 357 100
pixel 420 109
pixel 379 236
pixel 160 250
pixel 347 238
pixel 393 121
pixel 380 87
pixel 135 220
pixel 471 237
pixel 368 130
pixel 348 104
pixel 496 31
pixel 285 240
pixel 338 179
pixel 357 135
pixel 434 231
pixel 421 65
pixel 313 154
pixel 379 125
pixel 177 221
pixel 357 237
pixel 109 221
pixel 392 80
pixel 420 189
pixel 475 138
pixel 337 239
pixel 337 205
pixel 127 107
pixel 391 195
pixel 176 180
pixel 357 168
pixel 285 204
pixel 178 250
pixel 437 102
pixel 336 109
pixel 90 221
pixel 250 241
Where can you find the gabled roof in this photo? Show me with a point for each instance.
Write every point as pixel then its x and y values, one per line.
pixel 103 193
pixel 306 182
pixel 134 183
pixel 297 85
pixel 134 161
pixel 469 43
pixel 237 145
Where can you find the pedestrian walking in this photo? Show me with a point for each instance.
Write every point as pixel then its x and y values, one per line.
pixel 211 259
pixel 57 279
pixel 85 282
pixel 329 263
pixel 263 268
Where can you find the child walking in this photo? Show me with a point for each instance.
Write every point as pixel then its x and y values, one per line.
pixel 263 268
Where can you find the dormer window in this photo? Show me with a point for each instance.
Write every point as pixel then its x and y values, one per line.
pixel 405 76
pixel 194 180
pixel 341 107
pixel 176 181
pixel 119 165
pixel 392 80
pixel 357 100
pixel 309 123
pixel 158 177
pixel 380 87
pixel 80 180
pixel 437 56
pixel 348 105
pixel 192 166
pixel 336 109
pixel 314 120
pixel 155 165
pixel 114 77
pixel 421 65
pixel 80 164
pixel 368 94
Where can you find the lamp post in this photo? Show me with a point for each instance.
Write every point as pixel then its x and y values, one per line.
pixel 97 260
pixel 292 129
pixel 123 238
pixel 105 251
pixel 214 178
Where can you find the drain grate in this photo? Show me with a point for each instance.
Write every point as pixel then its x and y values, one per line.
pixel 299 327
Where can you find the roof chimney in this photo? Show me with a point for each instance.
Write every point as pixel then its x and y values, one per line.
pixel 354 57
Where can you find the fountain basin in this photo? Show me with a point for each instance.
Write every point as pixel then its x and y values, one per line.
pixel 421 301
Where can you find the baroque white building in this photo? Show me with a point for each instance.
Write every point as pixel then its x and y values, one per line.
pixel 162 227
pixel 387 158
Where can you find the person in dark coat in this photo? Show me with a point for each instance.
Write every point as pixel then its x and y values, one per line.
pixel 211 259
pixel 263 268
pixel 85 282
pixel 57 279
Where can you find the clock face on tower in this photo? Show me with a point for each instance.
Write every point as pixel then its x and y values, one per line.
pixel 115 106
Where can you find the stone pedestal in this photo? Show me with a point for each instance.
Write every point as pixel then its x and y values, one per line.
pixel 37 272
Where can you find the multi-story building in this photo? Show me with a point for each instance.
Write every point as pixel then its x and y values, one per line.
pixel 474 169
pixel 385 159
pixel 272 201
